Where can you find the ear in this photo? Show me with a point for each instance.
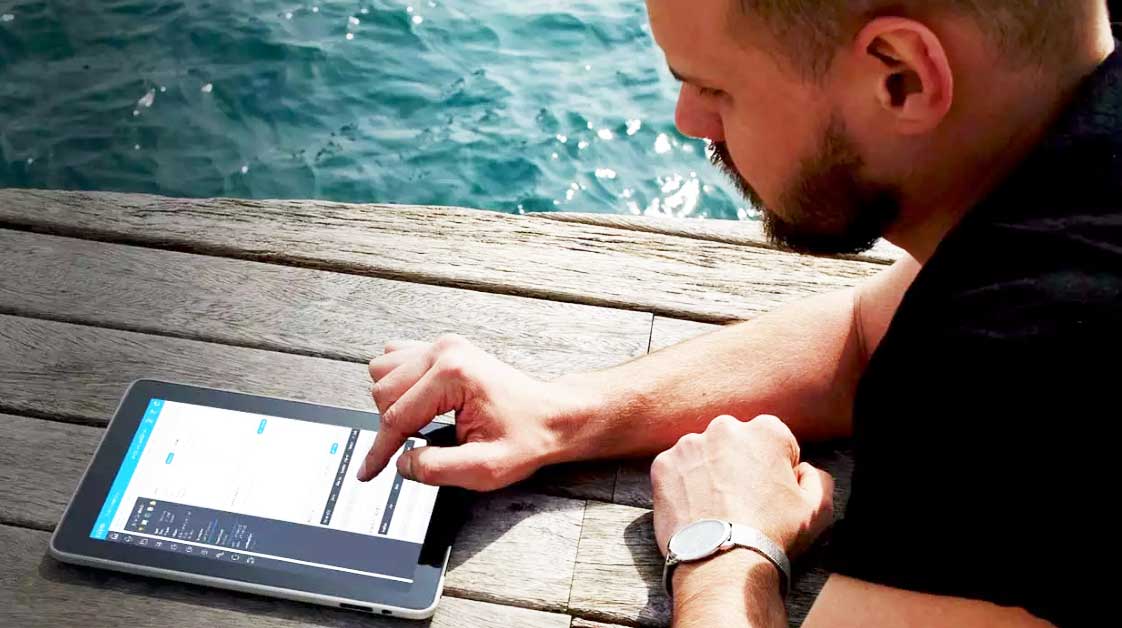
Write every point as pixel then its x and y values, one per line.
pixel 913 78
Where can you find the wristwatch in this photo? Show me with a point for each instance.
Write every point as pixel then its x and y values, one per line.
pixel 706 538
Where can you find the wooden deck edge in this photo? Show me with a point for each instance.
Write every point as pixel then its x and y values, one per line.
pixel 739 233
pixel 710 282
pixel 423 278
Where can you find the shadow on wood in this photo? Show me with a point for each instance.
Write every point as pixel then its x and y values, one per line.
pixel 527 525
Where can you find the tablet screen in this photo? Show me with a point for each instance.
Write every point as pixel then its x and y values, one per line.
pixel 268 491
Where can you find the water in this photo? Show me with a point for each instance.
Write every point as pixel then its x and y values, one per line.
pixel 511 105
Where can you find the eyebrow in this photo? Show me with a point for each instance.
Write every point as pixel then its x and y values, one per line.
pixel 682 77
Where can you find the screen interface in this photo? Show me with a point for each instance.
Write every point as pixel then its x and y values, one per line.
pixel 267 491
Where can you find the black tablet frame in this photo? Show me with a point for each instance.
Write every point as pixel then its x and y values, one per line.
pixel 72 536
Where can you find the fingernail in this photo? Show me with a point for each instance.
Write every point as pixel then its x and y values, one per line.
pixel 362 471
pixel 405 467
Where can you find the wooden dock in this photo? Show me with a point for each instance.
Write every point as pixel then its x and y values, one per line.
pixel 292 298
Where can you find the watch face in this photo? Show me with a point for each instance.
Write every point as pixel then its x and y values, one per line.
pixel 699 540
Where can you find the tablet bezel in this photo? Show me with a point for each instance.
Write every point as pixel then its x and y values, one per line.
pixel 71 541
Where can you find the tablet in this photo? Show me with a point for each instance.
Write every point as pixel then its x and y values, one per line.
pixel 259 495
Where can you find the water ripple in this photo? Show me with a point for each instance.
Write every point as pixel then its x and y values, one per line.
pixel 503 104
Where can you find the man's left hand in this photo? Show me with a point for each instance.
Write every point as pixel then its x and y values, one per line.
pixel 747 473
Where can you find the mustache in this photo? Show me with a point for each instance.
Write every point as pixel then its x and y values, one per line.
pixel 721 158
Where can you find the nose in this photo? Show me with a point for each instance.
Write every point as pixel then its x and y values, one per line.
pixel 697 118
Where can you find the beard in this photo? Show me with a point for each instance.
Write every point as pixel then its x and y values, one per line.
pixel 829 209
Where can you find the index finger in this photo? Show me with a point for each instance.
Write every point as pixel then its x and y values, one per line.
pixel 386 442
pixel 412 411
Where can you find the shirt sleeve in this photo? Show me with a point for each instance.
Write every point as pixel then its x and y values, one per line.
pixel 984 467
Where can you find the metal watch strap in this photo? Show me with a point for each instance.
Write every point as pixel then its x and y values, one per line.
pixel 751 538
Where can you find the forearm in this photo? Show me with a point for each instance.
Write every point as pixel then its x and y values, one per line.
pixel 848 603
pixel 737 589
pixel 801 363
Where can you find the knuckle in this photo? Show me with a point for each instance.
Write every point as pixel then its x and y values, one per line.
pixel 769 421
pixel 490 472
pixel 778 430
pixel 725 423
pixel 390 421
pixel 791 447
pixel 689 440
pixel 446 342
pixel 452 366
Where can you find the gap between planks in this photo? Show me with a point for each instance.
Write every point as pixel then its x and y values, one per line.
pixel 424 279
pixel 698 279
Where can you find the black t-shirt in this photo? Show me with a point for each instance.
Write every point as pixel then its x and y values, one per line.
pixel 985 439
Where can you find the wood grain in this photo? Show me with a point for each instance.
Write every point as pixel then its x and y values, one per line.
pixel 77 373
pixel 40 465
pixel 633 483
pixel 518 548
pixel 498 556
pixel 669 275
pixel 579 622
pixel 298 310
pixel 667 332
pixel 35 590
pixel 582 480
pixel 619 569
pixel 739 232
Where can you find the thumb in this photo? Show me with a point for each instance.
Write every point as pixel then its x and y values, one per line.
pixel 818 489
pixel 472 466
pixel 817 485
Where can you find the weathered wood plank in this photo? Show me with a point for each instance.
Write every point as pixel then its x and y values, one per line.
pixel 40 465
pixel 36 591
pixel 652 272
pixel 739 232
pixel 499 555
pixel 518 548
pixel 78 373
pixel 633 484
pixel 619 571
pixel 588 623
pixel 298 310
pixel 583 480
pixel 667 332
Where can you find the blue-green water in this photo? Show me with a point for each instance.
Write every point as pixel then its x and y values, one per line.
pixel 513 105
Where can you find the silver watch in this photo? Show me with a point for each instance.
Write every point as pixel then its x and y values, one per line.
pixel 706 538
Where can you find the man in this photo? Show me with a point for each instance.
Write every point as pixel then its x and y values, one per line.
pixel 973 376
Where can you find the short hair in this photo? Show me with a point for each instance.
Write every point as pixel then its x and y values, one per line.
pixel 1026 32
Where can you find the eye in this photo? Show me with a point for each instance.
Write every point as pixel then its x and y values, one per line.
pixel 709 92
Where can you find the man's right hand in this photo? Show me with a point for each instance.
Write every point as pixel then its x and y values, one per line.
pixel 505 420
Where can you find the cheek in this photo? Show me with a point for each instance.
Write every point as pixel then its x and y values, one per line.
pixel 768 147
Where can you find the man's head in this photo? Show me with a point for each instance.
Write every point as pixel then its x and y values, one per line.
pixel 841 114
